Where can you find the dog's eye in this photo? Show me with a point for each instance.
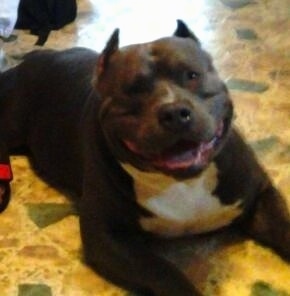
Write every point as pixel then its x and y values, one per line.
pixel 192 75
pixel 193 80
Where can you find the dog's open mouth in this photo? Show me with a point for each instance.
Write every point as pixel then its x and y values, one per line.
pixel 183 155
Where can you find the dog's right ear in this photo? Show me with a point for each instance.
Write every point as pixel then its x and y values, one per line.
pixel 111 47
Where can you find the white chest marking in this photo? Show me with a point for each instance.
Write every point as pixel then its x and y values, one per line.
pixel 181 207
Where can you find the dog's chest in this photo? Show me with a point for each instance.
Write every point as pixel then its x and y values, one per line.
pixel 181 207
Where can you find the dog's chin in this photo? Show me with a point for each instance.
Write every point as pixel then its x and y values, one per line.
pixel 183 159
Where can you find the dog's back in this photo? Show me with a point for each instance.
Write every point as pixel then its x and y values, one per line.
pixel 41 102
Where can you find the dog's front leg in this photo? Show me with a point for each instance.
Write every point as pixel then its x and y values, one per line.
pixel 269 221
pixel 266 217
pixel 113 251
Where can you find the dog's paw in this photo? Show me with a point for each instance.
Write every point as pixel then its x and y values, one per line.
pixel 4 195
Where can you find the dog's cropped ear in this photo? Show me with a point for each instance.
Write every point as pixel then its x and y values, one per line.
pixel 111 47
pixel 184 32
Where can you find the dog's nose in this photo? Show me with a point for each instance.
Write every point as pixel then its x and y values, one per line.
pixel 175 116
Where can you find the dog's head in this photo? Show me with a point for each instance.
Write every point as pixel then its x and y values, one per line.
pixel 163 106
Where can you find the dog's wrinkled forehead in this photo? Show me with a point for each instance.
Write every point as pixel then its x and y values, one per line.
pixel 183 58
pixel 174 58
pixel 134 60
pixel 167 58
pixel 176 51
pixel 171 53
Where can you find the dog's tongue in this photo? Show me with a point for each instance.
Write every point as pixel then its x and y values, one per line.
pixel 181 156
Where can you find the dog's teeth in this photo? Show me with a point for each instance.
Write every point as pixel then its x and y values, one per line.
pixel 220 129
pixel 131 146
pixel 183 157
pixel 179 157
pixel 198 157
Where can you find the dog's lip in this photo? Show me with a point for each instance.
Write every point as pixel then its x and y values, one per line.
pixel 182 155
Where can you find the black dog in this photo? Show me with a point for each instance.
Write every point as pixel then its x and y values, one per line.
pixel 141 136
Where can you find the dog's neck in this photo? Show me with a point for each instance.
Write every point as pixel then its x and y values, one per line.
pixel 181 207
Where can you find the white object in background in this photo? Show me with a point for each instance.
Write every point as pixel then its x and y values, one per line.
pixel 8 16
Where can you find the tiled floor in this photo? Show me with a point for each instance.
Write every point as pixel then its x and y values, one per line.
pixel 40 254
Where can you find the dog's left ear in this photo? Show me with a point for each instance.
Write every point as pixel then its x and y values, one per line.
pixel 184 32
pixel 111 47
